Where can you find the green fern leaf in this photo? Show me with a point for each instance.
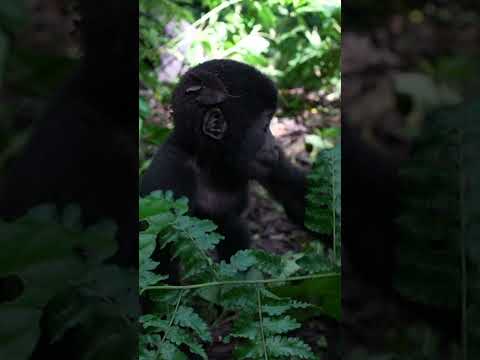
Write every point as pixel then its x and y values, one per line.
pixel 186 317
pixel 279 325
pixel 288 347
pixel 245 327
pixel 284 306
pixel 324 197
pixel 169 351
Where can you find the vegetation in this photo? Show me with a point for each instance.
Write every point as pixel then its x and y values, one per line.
pixel 77 297
pixel 435 82
pixel 60 295
pixel 249 285
pixel 258 302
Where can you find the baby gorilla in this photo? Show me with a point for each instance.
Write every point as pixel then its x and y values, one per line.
pixel 222 111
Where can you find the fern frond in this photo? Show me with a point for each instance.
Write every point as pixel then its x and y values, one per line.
pixel 324 197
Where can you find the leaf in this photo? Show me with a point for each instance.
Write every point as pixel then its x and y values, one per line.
pixel 174 334
pixel 279 325
pixel 245 327
pixel 66 311
pixel 289 347
pixel 282 307
pixel 47 262
pixel 187 317
pixel 144 108
pixel 323 292
pixel 325 7
pixel 324 195
pixel 159 202
pixel 270 264
pixel 22 333
pixel 243 260
pixel 168 351
pixel 239 298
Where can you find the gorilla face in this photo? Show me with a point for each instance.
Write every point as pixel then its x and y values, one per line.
pixel 258 140
pixel 222 112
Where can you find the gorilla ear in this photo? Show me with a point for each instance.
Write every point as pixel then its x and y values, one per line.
pixel 212 91
pixel 214 124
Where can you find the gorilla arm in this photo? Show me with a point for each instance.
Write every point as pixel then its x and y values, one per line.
pixel 286 182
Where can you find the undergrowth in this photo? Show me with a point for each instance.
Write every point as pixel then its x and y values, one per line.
pixel 249 289
pixel 62 291
pixel 439 255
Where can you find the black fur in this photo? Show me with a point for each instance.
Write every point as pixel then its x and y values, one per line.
pixel 214 173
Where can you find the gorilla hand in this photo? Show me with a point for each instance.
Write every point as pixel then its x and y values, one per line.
pixel 265 161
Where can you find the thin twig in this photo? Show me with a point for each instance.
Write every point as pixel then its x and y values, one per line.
pixel 260 318
pixel 462 247
pixel 238 282
pixel 177 305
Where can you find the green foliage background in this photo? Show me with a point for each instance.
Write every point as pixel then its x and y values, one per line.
pixel 296 41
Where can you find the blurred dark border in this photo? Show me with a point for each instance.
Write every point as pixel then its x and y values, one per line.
pixel 68 179
pixel 410 102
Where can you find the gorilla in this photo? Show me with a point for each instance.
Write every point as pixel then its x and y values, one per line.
pixel 221 140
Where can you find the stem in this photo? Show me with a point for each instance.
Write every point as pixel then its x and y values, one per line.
pixel 207 258
pixel 237 282
pixel 462 247
pixel 334 230
pixel 177 305
pixel 260 317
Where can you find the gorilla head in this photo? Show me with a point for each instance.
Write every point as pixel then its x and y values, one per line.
pixel 222 111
